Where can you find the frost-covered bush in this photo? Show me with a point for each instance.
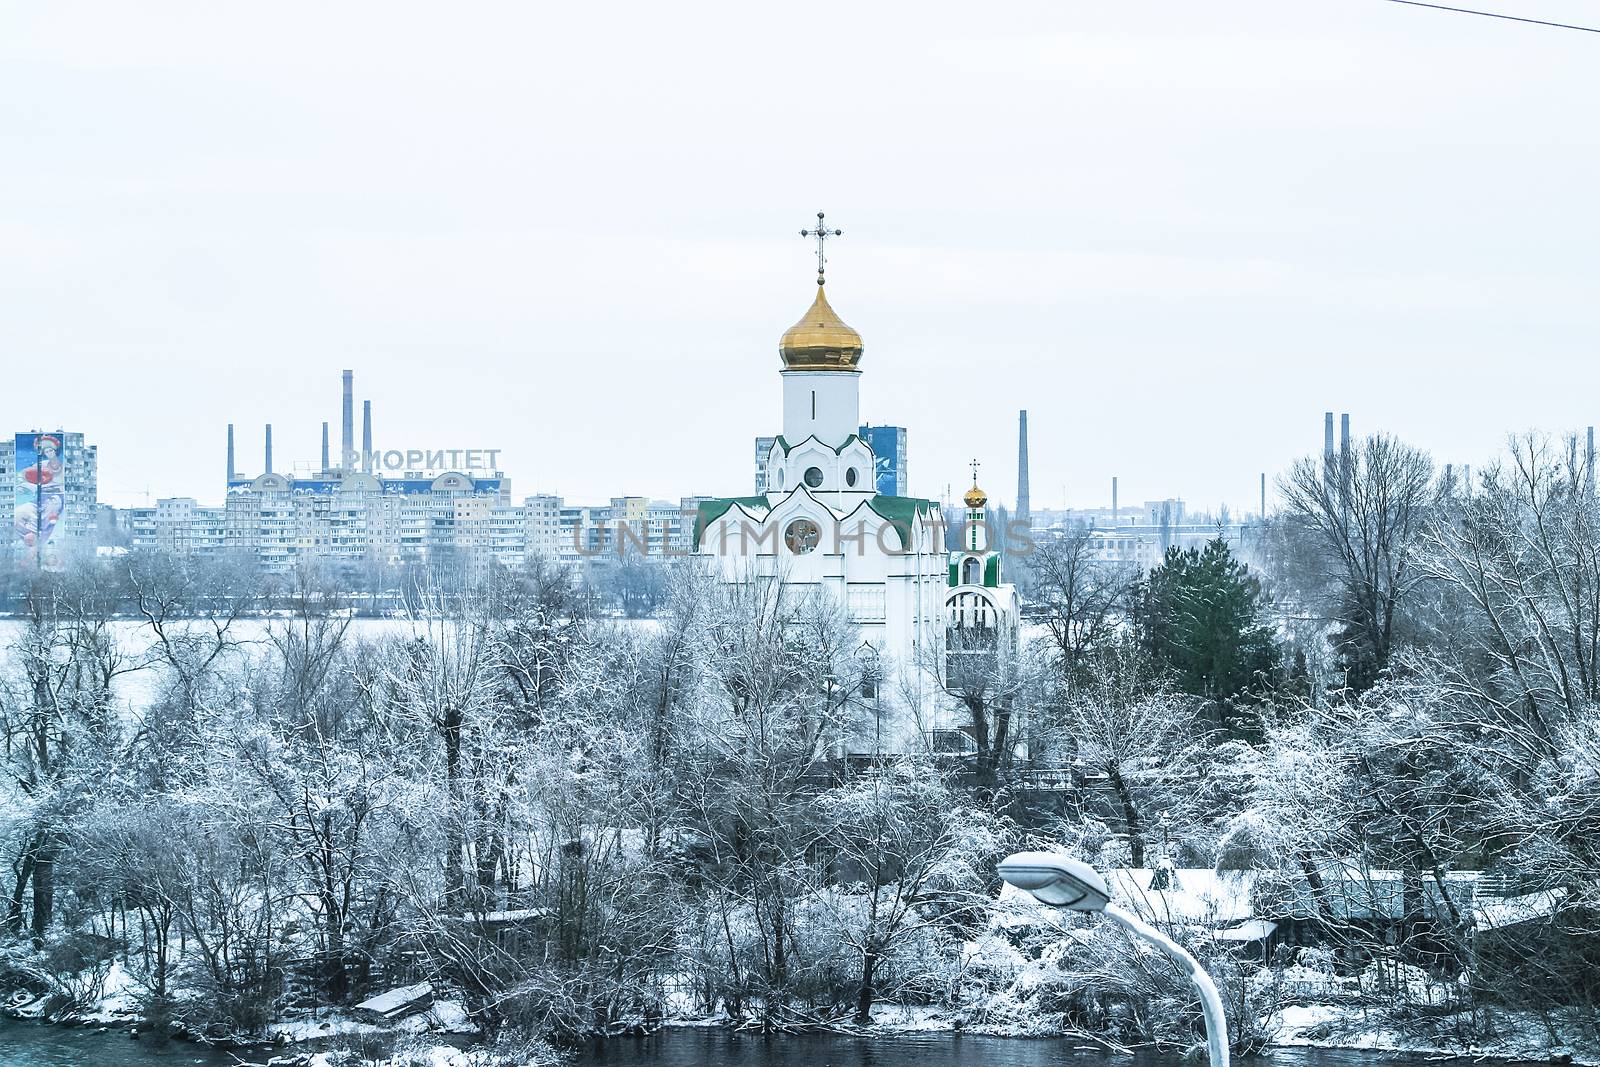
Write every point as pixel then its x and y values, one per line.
pixel 79 963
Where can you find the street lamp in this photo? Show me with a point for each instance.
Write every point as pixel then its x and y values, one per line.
pixel 1063 882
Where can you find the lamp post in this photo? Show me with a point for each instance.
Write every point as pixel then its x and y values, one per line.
pixel 1063 882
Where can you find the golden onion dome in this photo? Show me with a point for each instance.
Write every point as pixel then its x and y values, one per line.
pixel 976 498
pixel 820 340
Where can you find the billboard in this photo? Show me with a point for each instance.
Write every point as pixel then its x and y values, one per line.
pixel 40 500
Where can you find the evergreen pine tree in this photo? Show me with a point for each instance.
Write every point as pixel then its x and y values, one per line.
pixel 1201 617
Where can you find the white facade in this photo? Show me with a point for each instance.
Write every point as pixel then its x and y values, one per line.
pixel 821 404
pixel 982 619
pixel 823 529
pixel 353 521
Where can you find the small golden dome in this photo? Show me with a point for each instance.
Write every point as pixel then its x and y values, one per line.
pixel 976 498
pixel 820 340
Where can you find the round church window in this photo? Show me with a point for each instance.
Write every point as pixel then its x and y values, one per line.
pixel 802 536
pixel 813 476
pixel 850 477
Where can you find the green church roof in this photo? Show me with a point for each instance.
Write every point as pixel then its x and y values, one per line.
pixel 899 511
pixel 787 447
pixel 710 511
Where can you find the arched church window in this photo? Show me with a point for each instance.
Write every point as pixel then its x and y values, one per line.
pixel 813 476
pixel 971 572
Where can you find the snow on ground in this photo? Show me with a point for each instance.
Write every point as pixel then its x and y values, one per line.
pixel 1520 1036
pixel 445 1017
pixel 119 1000
pixel 434 1056
pixel 311 1029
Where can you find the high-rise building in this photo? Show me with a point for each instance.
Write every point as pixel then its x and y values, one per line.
pixel 54 480
pixel 763 449
pixel 351 519
pixel 888 444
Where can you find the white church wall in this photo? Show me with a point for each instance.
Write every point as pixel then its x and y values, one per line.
pixel 821 404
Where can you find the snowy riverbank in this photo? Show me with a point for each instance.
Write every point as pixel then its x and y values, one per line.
pixel 1515 1037
pixel 331 1039
pixel 434 1036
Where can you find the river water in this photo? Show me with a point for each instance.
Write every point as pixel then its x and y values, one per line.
pixel 33 1044
pixel 28 1044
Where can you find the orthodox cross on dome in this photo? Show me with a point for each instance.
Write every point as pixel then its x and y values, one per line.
pixel 821 233
pixel 975 498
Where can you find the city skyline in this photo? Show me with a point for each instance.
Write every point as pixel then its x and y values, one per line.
pixel 1173 268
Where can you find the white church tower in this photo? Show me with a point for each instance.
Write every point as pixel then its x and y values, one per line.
pixel 824 529
pixel 819 447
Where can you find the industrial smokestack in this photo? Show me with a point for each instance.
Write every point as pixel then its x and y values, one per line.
pixel 1022 467
pixel 230 454
pixel 1113 500
pixel 325 444
pixel 269 448
pixel 1344 436
pixel 1588 461
pixel 1327 438
pixel 366 436
pixel 1263 496
pixel 347 433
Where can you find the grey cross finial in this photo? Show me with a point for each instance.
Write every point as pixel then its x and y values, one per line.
pixel 821 233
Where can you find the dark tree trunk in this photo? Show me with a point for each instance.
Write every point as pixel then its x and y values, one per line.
pixel 1319 894
pixel 24 870
pixel 455 882
pixel 44 887
pixel 1130 815
pixel 868 991
pixel 333 976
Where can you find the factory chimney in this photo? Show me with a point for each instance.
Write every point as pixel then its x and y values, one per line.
pixel 1344 437
pixel 1327 440
pixel 347 432
pixel 1113 500
pixel 269 448
pixel 366 436
pixel 230 454
pixel 1263 496
pixel 325 444
pixel 1023 511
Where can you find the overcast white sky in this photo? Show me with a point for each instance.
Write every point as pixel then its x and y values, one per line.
pixel 1176 232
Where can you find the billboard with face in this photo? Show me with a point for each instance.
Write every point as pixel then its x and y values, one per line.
pixel 40 495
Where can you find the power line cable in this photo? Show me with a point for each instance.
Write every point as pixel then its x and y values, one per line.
pixel 1496 15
